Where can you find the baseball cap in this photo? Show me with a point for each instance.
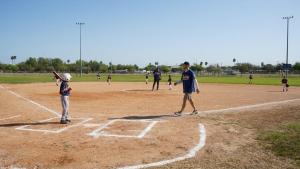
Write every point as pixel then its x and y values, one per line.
pixel 185 63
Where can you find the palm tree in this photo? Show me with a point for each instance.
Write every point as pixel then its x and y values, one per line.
pixel 12 59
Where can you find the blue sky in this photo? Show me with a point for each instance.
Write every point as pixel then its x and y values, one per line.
pixel 143 31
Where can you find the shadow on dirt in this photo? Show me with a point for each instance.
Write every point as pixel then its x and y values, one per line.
pixel 144 117
pixel 275 91
pixel 23 124
pixel 138 90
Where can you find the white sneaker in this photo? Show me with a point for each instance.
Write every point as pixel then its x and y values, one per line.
pixel 194 112
pixel 178 113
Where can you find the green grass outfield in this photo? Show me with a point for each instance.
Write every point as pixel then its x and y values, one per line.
pixel 283 141
pixel 38 78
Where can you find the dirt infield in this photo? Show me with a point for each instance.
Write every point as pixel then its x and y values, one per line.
pixel 122 125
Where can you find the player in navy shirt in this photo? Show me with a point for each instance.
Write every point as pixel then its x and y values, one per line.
pixel 157 78
pixel 64 92
pixel 190 85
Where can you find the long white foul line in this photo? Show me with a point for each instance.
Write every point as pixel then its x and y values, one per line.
pixel 191 153
pixel 35 103
pixel 11 117
pixel 247 107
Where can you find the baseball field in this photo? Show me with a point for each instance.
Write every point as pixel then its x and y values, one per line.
pixel 126 125
pixel 271 79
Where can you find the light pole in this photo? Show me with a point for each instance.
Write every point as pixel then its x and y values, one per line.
pixel 80 24
pixel 287 43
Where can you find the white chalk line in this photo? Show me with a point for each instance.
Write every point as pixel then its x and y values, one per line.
pixel 11 117
pixel 24 127
pixel 239 108
pixel 144 90
pixel 191 153
pixel 49 110
pixel 31 101
pixel 75 125
pixel 35 103
pixel 202 139
pixel 84 120
pixel 92 125
pixel 147 129
pixel 98 132
pixel 103 134
pixel 95 132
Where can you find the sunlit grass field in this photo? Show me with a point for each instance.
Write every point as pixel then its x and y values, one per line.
pixel 284 140
pixel 45 77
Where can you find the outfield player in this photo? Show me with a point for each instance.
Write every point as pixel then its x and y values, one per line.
pixel 108 79
pixel 190 85
pixel 285 85
pixel 147 78
pixel 157 78
pixel 170 82
pixel 98 75
pixel 250 78
pixel 64 91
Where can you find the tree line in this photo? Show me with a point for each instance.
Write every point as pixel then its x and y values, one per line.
pixel 45 65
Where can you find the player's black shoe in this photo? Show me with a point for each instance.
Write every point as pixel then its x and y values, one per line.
pixel 63 122
pixel 67 120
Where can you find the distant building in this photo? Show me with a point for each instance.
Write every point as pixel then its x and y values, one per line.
pixel 229 71
pixel 121 71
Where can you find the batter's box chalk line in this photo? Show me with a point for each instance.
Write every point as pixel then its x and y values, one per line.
pixel 100 133
pixel 11 117
pixel 190 154
pixel 34 103
pixel 67 127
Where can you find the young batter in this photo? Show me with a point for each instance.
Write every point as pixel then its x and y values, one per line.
pixel 190 85
pixel 64 97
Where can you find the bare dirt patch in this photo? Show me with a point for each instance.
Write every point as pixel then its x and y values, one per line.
pixel 230 137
